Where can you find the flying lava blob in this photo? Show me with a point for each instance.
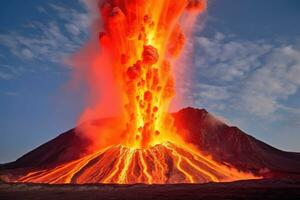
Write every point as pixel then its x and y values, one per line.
pixel 139 40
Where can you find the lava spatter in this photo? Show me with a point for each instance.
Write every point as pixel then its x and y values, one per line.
pixel 143 38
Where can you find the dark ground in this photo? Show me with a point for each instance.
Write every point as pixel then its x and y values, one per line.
pixel 262 189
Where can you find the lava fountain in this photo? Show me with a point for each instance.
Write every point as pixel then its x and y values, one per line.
pixel 140 39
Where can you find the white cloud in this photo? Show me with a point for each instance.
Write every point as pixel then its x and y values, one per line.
pixel 79 19
pixel 73 29
pixel 230 59
pixel 50 41
pixel 8 72
pixel 212 92
pixel 276 80
pixel 5 76
pixel 27 53
pixel 248 76
pixel 41 9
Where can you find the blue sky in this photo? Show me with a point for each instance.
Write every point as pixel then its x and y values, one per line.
pixel 245 61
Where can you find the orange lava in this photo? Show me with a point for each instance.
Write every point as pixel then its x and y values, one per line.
pixel 142 38
pixel 161 164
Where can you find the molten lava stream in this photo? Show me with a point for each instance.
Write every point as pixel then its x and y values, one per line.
pixel 163 163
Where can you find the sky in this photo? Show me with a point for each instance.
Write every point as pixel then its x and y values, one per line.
pixel 244 65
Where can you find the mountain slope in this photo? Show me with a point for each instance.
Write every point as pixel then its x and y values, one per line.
pixel 231 145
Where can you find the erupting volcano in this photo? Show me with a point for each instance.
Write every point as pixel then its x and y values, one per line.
pixel 143 39
pixel 140 41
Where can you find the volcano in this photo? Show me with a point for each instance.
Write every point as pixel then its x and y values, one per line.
pixel 227 154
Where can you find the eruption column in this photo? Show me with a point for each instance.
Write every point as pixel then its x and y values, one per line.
pixel 143 38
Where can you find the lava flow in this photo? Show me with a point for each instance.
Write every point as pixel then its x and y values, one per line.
pixel 161 164
pixel 141 39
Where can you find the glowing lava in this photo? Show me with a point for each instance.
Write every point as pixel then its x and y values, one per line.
pixel 141 38
pixel 160 164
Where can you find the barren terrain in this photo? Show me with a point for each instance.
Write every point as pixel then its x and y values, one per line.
pixel 261 189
